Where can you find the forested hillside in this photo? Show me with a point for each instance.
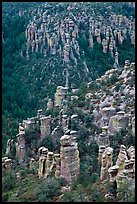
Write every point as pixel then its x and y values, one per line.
pixel 68 102
pixel 27 84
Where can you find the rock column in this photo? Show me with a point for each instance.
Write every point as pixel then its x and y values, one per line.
pixel 70 162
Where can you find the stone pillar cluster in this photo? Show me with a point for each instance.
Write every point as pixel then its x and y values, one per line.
pixel 63 36
pixel 40 125
pixel 42 151
pixel 103 139
pixel 49 163
pixel 123 172
pixel 66 164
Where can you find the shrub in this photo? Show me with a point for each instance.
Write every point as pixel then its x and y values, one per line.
pixel 46 191
pixel 7 181
pixel 5 197
pixel 47 142
pixel 76 195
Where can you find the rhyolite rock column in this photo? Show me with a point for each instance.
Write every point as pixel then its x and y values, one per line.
pixel 42 151
pixel 103 172
pixel 49 164
pixel 8 164
pixel 32 163
pixel 58 165
pixel 50 104
pixel 8 147
pixel 70 162
pixel 45 122
pixel 131 152
pixel 122 156
pixel 106 163
pixel 103 139
pixel 20 147
pixel 74 135
pixel 105 45
pixel 3 163
pixel 133 125
pixel 107 112
pixel 113 171
pixel 100 153
pixel 60 95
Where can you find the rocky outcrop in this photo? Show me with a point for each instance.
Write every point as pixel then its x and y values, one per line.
pixel 118 122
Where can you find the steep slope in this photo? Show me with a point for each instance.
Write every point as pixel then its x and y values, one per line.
pixel 56 37
pixel 102 131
